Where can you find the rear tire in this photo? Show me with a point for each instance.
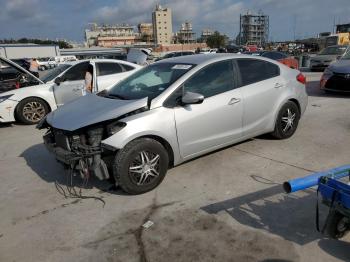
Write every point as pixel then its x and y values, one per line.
pixel 287 121
pixel 140 166
pixel 31 110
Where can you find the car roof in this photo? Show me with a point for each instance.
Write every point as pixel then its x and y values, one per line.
pixel 205 58
pixel 102 60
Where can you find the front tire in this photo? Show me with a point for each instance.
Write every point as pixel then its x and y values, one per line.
pixel 140 166
pixel 287 121
pixel 31 110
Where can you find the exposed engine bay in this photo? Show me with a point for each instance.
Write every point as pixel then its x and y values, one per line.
pixel 81 150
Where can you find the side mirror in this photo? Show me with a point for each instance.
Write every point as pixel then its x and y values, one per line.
pixel 192 98
pixel 58 80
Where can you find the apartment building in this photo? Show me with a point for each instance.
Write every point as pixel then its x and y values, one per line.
pixel 254 29
pixel 162 25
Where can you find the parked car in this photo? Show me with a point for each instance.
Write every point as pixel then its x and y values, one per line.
pixel 175 54
pixel 24 63
pixel 326 57
pixel 30 104
pixel 278 56
pixel 12 76
pixel 208 50
pixel 43 63
pixel 57 60
pixel 172 111
pixel 336 77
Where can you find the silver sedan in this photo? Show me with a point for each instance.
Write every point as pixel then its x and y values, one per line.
pixel 172 111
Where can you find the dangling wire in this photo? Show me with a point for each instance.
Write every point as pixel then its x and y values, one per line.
pixel 70 191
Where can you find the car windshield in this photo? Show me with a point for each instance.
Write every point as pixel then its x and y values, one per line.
pixel 149 82
pixel 333 50
pixel 52 74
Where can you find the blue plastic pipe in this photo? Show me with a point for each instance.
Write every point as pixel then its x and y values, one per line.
pixel 312 180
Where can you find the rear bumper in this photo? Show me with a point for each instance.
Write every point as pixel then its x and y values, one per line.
pixel 337 83
pixel 318 67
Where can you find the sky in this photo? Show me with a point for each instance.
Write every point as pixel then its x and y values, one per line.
pixel 67 19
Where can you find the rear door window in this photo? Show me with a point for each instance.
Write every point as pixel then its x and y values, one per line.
pixel 108 69
pixel 254 70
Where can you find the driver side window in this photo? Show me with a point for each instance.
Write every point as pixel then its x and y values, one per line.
pixel 212 80
pixel 77 72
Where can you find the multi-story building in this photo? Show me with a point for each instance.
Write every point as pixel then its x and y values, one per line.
pixel 111 35
pixel 146 32
pixel 186 34
pixel 254 29
pixel 162 25
pixel 205 34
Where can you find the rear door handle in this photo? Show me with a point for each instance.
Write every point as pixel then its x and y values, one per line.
pixel 279 85
pixel 234 101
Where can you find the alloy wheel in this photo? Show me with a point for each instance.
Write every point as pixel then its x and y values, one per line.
pixel 33 111
pixel 144 168
pixel 288 120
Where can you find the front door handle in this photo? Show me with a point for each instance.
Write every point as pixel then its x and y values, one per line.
pixel 77 89
pixel 234 101
pixel 278 85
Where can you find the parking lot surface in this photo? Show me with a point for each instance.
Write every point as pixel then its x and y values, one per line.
pixel 225 206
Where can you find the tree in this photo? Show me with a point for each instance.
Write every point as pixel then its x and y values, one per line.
pixel 216 40
pixel 60 43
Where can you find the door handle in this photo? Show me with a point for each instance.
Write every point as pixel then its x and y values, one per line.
pixel 279 85
pixel 234 101
pixel 77 89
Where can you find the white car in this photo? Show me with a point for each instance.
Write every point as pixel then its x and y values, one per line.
pixel 57 60
pixel 43 63
pixel 30 104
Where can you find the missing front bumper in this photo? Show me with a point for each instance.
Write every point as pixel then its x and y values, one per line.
pixel 90 156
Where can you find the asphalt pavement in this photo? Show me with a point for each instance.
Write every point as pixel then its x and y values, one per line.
pixel 226 206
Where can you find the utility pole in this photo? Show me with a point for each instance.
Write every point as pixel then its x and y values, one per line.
pixel 240 29
pixel 294 26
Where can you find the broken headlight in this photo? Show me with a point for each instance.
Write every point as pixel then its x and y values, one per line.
pixel 4 98
pixel 115 127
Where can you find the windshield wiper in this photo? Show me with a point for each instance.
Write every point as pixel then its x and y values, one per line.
pixel 116 96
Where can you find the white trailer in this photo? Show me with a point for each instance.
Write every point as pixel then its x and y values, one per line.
pixel 18 51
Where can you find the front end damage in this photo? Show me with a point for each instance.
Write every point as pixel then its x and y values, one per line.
pixel 81 151
pixel 75 132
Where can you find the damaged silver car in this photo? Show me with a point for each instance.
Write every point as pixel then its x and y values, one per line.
pixel 172 111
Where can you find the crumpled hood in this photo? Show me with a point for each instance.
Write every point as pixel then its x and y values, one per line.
pixel 91 109
pixel 342 66
pixel 324 57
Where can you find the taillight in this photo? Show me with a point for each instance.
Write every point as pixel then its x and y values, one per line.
pixel 301 78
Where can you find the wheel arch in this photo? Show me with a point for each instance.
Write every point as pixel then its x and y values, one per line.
pixel 295 101
pixel 164 143
pixel 289 99
pixel 37 97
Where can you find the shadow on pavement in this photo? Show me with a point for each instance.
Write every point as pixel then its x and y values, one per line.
pixel 336 248
pixel 6 125
pixel 44 164
pixel 290 216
